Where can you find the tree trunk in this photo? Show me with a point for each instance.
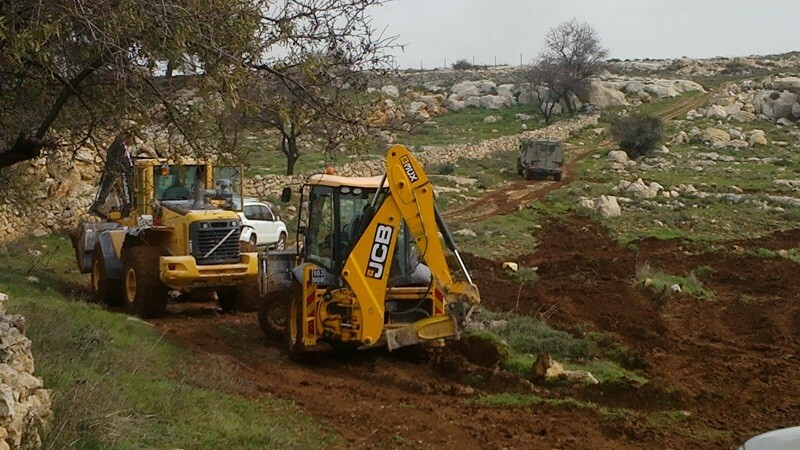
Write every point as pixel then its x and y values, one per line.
pixel 289 148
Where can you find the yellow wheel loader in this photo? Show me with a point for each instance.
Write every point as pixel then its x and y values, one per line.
pixel 166 227
pixel 356 278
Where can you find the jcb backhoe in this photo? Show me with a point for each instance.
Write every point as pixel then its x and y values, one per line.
pixel 355 278
pixel 165 227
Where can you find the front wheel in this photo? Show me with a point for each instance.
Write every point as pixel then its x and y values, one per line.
pixel 273 314
pixel 145 293
pixel 294 330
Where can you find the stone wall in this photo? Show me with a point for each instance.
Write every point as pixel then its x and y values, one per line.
pixel 24 403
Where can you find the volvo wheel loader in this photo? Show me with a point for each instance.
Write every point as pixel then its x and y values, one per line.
pixel 370 268
pixel 165 227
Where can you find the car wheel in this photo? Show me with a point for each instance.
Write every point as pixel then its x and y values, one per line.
pixel 281 244
pixel 253 239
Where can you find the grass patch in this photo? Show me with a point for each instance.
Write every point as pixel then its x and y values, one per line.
pixel 117 383
pixel 466 126
pixel 662 283
pixel 792 254
pixel 523 338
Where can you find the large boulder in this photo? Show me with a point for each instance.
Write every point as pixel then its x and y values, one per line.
pixel 391 91
pixel 715 136
pixel 494 102
pixel 466 89
pixel 604 96
pixel 487 87
pixel 473 102
pixel 618 156
pixel 717 111
pixel 607 206
pixel 791 84
pixel 758 139
pixel 774 105
pixel 507 91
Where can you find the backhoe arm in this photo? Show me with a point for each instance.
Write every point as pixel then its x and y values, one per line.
pixel 410 199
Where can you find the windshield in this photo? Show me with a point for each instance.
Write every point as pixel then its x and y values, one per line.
pixel 174 182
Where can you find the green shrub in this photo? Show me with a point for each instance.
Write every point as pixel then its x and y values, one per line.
pixel 446 169
pixel 638 135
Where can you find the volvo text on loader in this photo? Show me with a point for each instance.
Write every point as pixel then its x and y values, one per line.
pixel 165 227
pixel 356 279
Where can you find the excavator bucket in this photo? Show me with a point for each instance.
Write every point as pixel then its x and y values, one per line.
pixel 425 330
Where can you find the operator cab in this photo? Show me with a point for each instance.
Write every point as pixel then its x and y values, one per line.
pixel 339 211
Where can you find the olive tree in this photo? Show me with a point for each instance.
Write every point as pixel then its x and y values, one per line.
pixel 72 68
pixel 572 54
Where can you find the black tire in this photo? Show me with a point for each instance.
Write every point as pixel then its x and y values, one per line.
pixel 273 314
pixel 145 293
pixel 243 297
pixel 294 330
pixel 281 244
pixel 104 290
pixel 558 177
pixel 253 240
pixel 527 174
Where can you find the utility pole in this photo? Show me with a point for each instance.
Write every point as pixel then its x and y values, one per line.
pixel 445 62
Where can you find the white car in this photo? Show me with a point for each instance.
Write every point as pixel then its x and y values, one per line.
pixel 262 226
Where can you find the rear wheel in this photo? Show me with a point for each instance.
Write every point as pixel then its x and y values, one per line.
pixel 273 314
pixel 145 293
pixel 558 177
pixel 528 174
pixel 104 289
pixel 281 244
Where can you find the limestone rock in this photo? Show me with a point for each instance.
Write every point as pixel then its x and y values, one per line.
pixel 391 91
pixel 618 156
pixel 608 207
pixel 758 139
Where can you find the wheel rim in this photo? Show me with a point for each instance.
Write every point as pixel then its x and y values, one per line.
pixel 281 244
pixel 253 240
pixel 278 315
pixel 96 275
pixel 130 285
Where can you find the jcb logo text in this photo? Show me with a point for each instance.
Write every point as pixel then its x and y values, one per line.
pixel 380 251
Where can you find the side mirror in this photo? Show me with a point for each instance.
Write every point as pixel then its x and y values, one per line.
pixel 286 194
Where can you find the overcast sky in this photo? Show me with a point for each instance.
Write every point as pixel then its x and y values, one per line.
pixel 487 29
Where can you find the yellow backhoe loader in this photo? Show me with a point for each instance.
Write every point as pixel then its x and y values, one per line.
pixel 166 226
pixel 356 277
